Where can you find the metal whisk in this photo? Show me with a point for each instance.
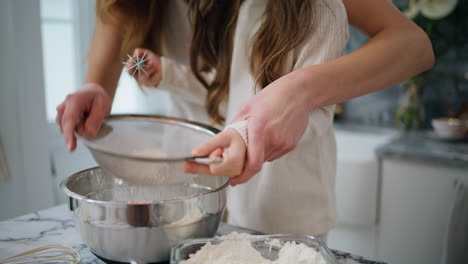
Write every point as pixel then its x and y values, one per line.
pixel 138 64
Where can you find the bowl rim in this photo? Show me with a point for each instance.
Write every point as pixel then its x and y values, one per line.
pixel 93 147
pixel 71 194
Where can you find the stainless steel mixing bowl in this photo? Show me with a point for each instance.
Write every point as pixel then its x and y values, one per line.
pixel 122 222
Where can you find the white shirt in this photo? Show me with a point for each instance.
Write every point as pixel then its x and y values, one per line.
pixel 293 194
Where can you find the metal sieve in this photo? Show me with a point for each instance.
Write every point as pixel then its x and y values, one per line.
pixel 148 149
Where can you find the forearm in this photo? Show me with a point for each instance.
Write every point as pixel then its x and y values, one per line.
pixel 104 66
pixel 389 58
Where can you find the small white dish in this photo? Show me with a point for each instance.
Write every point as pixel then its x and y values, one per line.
pixel 449 128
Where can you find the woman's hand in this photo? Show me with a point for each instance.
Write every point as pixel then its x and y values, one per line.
pixel 151 75
pixel 83 111
pixel 227 145
pixel 278 117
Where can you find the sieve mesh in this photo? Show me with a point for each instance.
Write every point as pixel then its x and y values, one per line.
pixel 148 150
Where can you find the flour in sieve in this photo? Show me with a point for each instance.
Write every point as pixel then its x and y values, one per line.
pixel 150 182
pixel 153 173
pixel 237 249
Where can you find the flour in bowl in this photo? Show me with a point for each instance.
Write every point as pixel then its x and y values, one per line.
pixel 237 249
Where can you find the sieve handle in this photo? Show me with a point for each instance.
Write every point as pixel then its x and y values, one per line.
pixel 206 160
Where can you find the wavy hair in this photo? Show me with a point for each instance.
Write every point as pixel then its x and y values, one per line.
pixel 286 25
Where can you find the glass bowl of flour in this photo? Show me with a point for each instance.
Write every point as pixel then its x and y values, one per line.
pixel 253 249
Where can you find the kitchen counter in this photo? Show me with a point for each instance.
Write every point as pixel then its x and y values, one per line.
pixel 420 146
pixel 55 226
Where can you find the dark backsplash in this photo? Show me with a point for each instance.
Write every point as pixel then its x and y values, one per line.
pixel 445 86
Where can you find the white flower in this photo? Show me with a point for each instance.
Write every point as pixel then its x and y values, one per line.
pixel 438 9
pixel 432 9
pixel 413 9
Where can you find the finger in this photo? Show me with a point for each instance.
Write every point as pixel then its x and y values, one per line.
pixel 80 130
pixel 197 168
pixel 233 159
pixel 270 153
pixel 235 181
pixel 216 154
pixel 58 118
pixel 97 113
pixel 275 155
pixel 138 52
pixel 222 168
pixel 255 152
pixel 149 64
pixel 219 141
pixel 71 118
pixel 145 79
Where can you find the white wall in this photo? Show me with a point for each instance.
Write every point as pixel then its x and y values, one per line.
pixel 23 127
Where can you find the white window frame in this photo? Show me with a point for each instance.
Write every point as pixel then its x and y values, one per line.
pixel 84 19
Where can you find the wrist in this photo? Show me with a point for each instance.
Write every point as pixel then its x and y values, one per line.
pixel 96 86
pixel 241 128
pixel 298 88
pixel 312 87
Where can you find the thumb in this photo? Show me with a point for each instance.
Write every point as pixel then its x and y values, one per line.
pixel 219 141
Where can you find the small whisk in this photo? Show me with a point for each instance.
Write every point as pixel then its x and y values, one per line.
pixel 137 65
pixel 51 253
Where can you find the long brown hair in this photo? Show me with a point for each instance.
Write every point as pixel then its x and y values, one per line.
pixel 286 25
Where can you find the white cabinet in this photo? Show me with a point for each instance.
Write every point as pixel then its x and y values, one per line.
pixel 416 201
pixel 357 191
pixel 357 177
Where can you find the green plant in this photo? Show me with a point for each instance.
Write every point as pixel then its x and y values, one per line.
pixel 428 14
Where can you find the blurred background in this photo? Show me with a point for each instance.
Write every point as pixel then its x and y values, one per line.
pixel 400 184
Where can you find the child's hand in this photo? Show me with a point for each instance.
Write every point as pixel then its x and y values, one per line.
pixel 151 75
pixel 228 145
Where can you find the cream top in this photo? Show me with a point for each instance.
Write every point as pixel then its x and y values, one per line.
pixel 293 194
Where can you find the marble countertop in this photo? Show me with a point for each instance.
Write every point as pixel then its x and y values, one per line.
pixel 55 226
pixel 421 146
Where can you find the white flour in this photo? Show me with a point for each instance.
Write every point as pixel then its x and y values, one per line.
pixel 150 153
pixel 237 249
pixel 150 172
